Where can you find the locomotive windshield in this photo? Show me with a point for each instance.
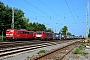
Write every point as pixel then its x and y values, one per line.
pixel 10 30
pixel 39 32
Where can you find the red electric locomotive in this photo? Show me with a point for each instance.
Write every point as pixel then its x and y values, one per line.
pixel 14 34
pixel 43 35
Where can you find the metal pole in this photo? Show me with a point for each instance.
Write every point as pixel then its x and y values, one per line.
pixel 87 11
pixel 12 25
pixel 66 32
pixel 55 29
pixel 2 35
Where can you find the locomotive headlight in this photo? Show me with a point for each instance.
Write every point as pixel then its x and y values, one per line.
pixel 38 35
pixel 7 34
pixel 57 35
pixel 62 36
pixel 11 34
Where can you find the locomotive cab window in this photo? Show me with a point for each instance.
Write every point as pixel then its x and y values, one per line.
pixel 24 32
pixel 10 30
pixel 20 32
pixel 27 32
pixel 30 32
pixel 38 32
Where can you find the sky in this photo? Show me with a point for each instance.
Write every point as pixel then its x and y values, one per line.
pixel 55 14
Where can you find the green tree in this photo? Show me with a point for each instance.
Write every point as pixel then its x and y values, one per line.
pixel 30 26
pixel 18 18
pixel 36 26
pixel 68 33
pixel 49 30
pixel 64 30
pixel 6 18
pixel 25 23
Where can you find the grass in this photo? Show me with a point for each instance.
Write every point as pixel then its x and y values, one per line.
pixel 42 51
pixel 82 43
pixel 79 51
pixel 80 48
pixel 28 57
pixel 85 53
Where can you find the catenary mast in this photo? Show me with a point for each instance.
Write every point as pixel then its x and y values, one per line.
pixel 12 24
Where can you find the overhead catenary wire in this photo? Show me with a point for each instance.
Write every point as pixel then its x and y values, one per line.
pixel 51 16
pixel 21 6
pixel 37 8
pixel 39 21
pixel 72 14
pixel 69 9
pixel 41 11
pixel 28 10
pixel 75 12
pixel 75 9
pixel 52 10
pixel 49 8
pixel 35 18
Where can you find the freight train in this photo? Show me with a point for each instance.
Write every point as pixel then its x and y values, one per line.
pixel 15 34
pixel 22 34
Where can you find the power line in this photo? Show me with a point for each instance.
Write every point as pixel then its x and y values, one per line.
pixel 36 8
pixel 75 9
pixel 53 11
pixel 40 10
pixel 78 18
pixel 71 12
pixel 12 25
pixel 48 7
pixel 28 10
pixel 69 9
pixel 40 21
pixel 22 7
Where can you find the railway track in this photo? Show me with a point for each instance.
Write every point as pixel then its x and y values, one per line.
pixel 7 45
pixel 56 54
pixel 23 49
pixel 10 49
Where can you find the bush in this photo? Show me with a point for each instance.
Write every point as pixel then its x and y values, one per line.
pixel 85 53
pixel 78 51
pixel 82 43
pixel 80 48
pixel 41 51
